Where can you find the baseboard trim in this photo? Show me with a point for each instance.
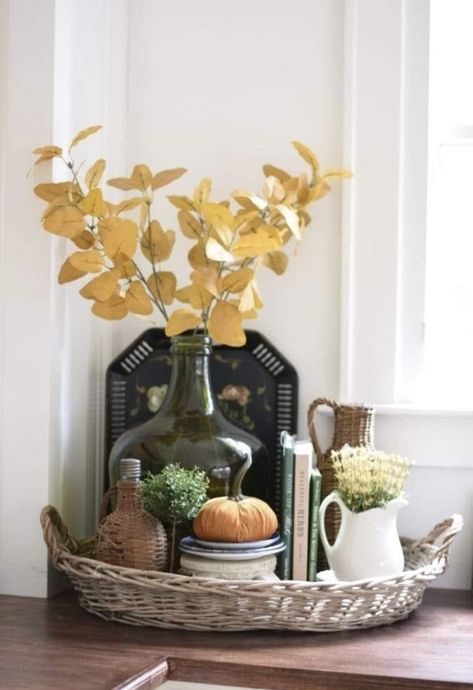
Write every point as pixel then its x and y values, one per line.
pixel 24 582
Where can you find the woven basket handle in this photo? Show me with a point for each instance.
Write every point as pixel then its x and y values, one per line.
pixel 311 423
pixel 444 531
pixel 106 503
pixel 56 535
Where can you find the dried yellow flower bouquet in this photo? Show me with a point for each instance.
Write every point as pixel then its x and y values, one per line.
pixel 126 256
pixel 368 478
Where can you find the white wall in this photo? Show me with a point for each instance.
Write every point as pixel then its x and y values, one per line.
pixel 27 321
pixel 220 89
pixel 224 88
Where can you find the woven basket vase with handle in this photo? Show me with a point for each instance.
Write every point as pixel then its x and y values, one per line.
pixel 353 425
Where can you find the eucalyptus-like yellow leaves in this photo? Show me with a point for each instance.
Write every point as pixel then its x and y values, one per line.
pixel 183 203
pixel 225 325
pixel 119 259
pixel 137 299
pixel 88 261
pixel 123 183
pixel 236 281
pixel 256 244
pixel 93 204
pixel 113 309
pixel 202 192
pixel 254 200
pixel 94 174
pixel 217 215
pixel 276 261
pixel 291 218
pixel 46 153
pixel 307 154
pixel 156 244
pixel 83 134
pixel 85 240
pixel 272 171
pixel 66 221
pixel 119 236
pixel 196 295
pixel 248 222
pixel 101 288
pixel 273 190
pixel 165 177
pixel 302 189
pixel 126 205
pixel 69 272
pixel 189 225
pixel 163 286
pixel 181 320
pixel 207 277
pixel 68 192
pixel 338 172
pixel 198 258
pixel 320 189
pixel 124 265
pixel 142 178
pixel 216 252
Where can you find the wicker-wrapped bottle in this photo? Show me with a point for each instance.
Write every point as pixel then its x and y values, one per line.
pixel 130 536
pixel 353 425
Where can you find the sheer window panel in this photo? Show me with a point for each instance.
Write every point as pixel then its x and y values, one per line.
pixel 447 378
pixel 448 348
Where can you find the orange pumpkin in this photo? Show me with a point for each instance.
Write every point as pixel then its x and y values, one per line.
pixel 235 518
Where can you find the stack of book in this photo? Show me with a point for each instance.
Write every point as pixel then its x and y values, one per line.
pixel 299 515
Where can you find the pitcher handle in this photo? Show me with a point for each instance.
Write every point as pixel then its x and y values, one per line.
pixel 311 422
pixel 331 498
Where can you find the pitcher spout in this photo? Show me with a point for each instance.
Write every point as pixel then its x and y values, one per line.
pixel 394 506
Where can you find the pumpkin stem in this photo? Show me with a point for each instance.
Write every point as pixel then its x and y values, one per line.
pixel 235 490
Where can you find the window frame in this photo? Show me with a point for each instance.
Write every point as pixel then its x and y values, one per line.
pixel 385 208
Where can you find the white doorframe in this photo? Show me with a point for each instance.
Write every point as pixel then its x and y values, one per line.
pixel 53 352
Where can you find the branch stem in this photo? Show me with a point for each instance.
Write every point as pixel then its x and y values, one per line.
pixel 162 307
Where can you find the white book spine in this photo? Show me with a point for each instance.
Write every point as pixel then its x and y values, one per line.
pixel 302 475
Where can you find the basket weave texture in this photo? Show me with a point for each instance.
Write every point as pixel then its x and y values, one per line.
pixel 353 425
pixel 165 600
pixel 131 537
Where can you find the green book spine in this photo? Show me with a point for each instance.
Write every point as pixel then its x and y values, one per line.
pixel 287 478
pixel 315 484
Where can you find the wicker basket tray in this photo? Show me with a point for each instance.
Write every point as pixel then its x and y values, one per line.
pixel 165 600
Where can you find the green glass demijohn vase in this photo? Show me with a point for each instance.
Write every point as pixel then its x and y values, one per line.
pixel 190 429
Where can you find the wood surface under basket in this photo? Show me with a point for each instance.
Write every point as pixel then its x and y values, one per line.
pixel 166 600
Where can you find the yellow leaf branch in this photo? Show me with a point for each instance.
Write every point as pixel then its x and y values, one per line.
pixel 229 246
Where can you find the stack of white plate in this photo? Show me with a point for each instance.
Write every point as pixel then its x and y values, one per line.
pixel 234 561
pixel 226 551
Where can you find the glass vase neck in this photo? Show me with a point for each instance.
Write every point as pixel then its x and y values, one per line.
pixel 191 345
pixel 190 391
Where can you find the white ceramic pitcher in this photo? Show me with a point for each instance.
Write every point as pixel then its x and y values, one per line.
pixel 367 544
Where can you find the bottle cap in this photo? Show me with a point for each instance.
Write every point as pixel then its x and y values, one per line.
pixel 130 468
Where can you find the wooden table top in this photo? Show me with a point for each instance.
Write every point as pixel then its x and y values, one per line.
pixel 53 644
